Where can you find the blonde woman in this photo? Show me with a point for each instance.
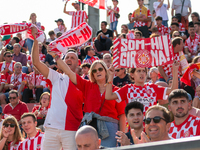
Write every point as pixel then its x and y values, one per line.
pixel 10 134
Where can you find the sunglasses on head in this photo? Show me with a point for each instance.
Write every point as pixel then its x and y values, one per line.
pixel 12 97
pixel 156 119
pixel 9 56
pixel 95 70
pixel 11 125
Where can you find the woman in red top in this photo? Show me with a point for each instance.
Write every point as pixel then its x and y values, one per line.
pixel 41 110
pixel 10 134
pixel 94 94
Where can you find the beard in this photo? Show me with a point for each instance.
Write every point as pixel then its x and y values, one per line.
pixel 181 115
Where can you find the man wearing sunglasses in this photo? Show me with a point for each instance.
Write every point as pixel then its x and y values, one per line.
pixel 90 58
pixel 122 78
pixel 184 124
pixel 157 124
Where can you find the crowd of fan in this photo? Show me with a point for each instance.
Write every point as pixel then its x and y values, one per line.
pixel 93 105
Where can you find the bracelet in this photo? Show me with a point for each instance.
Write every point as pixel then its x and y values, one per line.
pixel 56 58
pixel 108 83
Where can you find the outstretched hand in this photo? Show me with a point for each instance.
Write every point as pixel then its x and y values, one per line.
pixel 176 64
pixel 144 138
pixel 50 52
pixel 111 71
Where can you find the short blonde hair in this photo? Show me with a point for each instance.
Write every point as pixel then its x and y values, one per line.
pixel 92 79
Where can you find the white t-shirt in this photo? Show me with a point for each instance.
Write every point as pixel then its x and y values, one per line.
pixel 162 11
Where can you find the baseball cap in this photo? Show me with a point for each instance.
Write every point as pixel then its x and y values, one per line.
pixel 75 3
pixel 60 20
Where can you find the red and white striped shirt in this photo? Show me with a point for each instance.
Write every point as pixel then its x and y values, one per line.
pixel 112 14
pixel 33 143
pixel 163 30
pixel 189 128
pixel 2 78
pixel 78 17
pixel 140 23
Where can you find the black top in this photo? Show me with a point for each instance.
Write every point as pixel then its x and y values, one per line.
pixel 121 82
pixel 109 33
pixel 128 134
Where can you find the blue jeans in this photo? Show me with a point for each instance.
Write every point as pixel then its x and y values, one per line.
pixel 113 26
pixel 111 140
pixel 29 43
pixel 165 23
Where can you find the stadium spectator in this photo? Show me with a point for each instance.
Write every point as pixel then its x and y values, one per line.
pixel 134 117
pixel 181 7
pixel 104 38
pixel 90 55
pixel 142 16
pixel 192 44
pixel 35 85
pixel 19 56
pixel 138 34
pixel 85 67
pixel 181 27
pixel 7 66
pixel 193 110
pixel 124 28
pixel 10 134
pixel 87 138
pixel 2 83
pixel 175 34
pixel 33 20
pixel 163 30
pixel 78 16
pixel 15 81
pixel 52 36
pixel 60 124
pixel 157 124
pixel 131 23
pixel 16 107
pixel 184 124
pixel 34 138
pixel 195 18
pixel 161 10
pixel 110 112
pixel 41 110
pixel 107 59
pixel 147 94
pixel 153 74
pixel 197 27
pixel 1 117
pixel 154 30
pixel 166 70
pixel 22 42
pixel 61 27
pixel 113 18
pixel 122 78
pixel 196 102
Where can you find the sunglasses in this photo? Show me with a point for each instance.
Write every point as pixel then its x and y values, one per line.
pixel 95 70
pixel 9 56
pixel 12 97
pixel 117 70
pixel 156 119
pixel 18 67
pixel 176 35
pixel 11 125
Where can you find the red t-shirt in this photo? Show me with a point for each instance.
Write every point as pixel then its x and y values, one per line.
pixel 2 78
pixel 147 95
pixel 94 99
pixel 17 111
pixel 10 66
pixel 189 128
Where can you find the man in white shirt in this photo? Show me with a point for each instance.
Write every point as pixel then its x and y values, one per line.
pixel 161 10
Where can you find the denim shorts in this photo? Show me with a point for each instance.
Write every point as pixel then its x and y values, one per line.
pixel 113 26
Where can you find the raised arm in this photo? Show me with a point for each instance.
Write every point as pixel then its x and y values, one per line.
pixel 65 68
pixel 41 67
pixel 175 78
pixel 64 10
pixel 109 95
pixel 168 4
pixel 161 3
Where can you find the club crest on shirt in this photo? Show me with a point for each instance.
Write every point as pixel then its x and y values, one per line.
pixel 186 134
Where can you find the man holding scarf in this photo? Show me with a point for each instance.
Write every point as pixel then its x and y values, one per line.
pixel 142 16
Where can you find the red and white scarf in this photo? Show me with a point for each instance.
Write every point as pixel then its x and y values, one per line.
pixel 16 80
pixel 9 66
pixel 99 4
pixel 72 38
pixel 8 29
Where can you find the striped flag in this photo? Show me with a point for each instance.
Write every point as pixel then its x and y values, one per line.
pixel 99 4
